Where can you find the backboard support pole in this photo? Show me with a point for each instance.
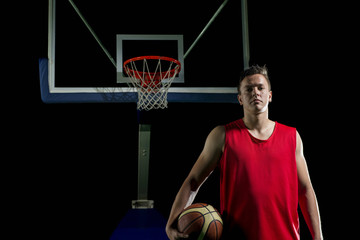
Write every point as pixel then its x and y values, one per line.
pixel 93 33
pixel 143 168
pixel 205 28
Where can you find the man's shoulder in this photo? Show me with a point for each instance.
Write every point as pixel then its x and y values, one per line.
pixel 286 131
pixel 234 124
pixel 285 127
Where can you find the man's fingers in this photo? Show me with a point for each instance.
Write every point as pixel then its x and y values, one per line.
pixel 181 236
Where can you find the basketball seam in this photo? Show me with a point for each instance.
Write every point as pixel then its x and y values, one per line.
pixel 213 220
pixel 187 226
pixel 201 236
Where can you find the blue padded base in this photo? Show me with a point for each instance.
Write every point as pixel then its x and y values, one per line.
pixel 141 224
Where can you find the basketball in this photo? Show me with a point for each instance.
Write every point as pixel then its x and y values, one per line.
pixel 200 221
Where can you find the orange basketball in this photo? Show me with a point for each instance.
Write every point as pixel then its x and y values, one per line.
pixel 201 221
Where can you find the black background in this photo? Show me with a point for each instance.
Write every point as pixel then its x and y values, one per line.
pixel 70 169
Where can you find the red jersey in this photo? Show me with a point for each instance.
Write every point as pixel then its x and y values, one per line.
pixel 259 185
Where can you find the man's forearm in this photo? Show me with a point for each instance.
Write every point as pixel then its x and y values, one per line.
pixel 183 199
pixel 310 211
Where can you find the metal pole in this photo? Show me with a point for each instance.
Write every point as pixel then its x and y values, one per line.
pixel 143 161
pixel 205 28
pixel 93 33
pixel 143 168
pixel 245 33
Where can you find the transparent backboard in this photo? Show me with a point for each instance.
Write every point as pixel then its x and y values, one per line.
pixel 90 40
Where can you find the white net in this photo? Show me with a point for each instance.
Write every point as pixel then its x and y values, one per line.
pixel 152 76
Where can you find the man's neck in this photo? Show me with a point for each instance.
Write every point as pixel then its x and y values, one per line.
pixel 259 125
pixel 256 121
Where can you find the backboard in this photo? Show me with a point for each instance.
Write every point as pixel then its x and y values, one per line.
pixel 90 40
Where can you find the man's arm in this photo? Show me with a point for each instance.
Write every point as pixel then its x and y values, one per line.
pixel 203 167
pixel 307 198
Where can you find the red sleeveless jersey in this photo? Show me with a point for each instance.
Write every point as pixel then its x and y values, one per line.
pixel 259 185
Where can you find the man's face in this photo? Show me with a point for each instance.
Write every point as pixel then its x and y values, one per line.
pixel 255 94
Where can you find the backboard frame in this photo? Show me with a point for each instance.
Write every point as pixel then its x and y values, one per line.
pixel 53 94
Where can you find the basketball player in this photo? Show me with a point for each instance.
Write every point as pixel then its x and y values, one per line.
pixel 263 172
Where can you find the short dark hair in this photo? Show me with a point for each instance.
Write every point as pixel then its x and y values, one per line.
pixel 255 69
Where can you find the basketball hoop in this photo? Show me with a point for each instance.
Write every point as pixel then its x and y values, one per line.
pixel 152 77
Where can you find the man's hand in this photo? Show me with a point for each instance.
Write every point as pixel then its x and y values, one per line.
pixel 174 234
